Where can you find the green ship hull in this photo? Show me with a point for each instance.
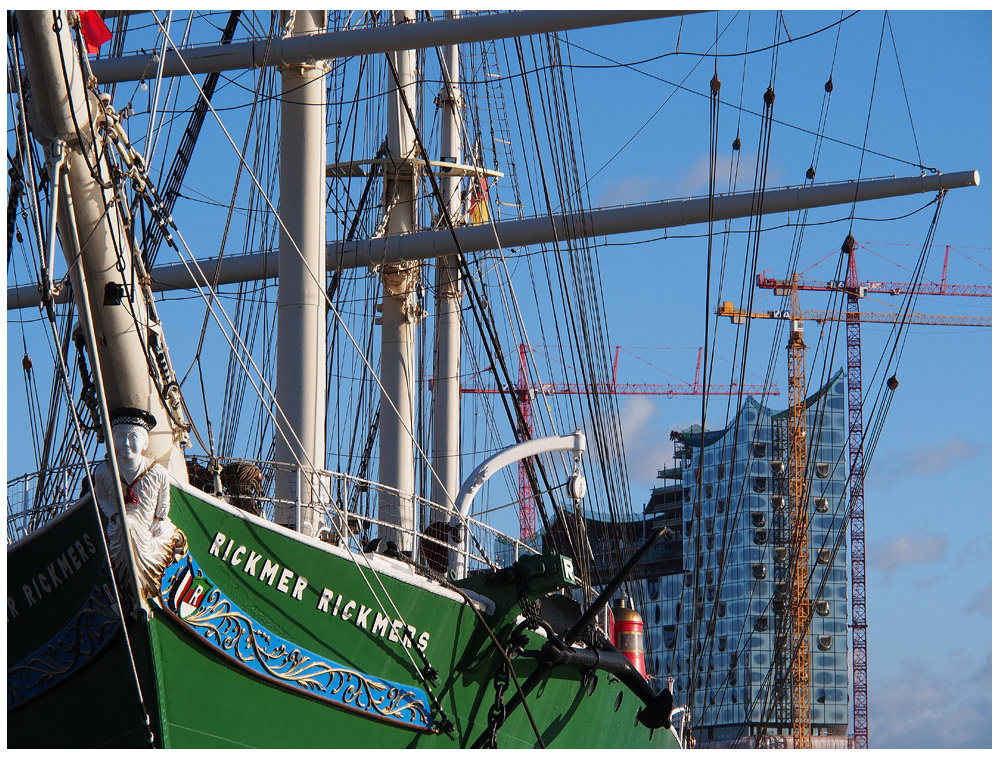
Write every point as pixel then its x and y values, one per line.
pixel 264 638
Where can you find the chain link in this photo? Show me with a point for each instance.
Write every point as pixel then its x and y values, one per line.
pixel 498 712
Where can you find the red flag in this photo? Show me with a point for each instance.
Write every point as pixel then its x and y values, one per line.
pixel 95 31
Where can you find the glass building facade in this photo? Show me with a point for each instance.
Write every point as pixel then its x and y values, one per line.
pixel 717 629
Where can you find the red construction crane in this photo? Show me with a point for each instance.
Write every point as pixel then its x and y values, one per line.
pixel 856 508
pixel 526 393
pixel 781 286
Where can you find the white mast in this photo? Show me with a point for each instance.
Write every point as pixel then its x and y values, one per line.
pixel 93 227
pixel 400 308
pixel 446 408
pixel 300 442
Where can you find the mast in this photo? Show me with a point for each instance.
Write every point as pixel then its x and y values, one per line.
pixel 70 122
pixel 300 442
pixel 400 307
pixel 446 407
pixel 665 214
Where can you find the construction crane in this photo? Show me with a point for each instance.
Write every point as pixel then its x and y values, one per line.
pixel 781 286
pixel 525 393
pixel 799 528
pixel 794 617
pixel 739 316
pixel 854 317
pixel 855 290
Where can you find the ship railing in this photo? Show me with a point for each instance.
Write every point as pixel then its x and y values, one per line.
pixel 348 506
pixel 35 498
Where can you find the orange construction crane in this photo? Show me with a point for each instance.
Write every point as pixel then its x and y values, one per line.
pixel 739 316
pixel 856 290
pixel 799 607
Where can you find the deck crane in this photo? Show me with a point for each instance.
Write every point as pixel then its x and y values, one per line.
pixel 856 290
pixel 525 394
pixel 853 316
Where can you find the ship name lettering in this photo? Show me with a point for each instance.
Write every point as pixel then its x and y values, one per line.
pixel 251 566
pixel 55 572
pixel 382 626
pixel 272 573
pixel 362 620
pixel 286 575
pixel 268 574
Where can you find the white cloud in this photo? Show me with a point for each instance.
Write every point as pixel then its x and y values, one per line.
pixel 936 708
pixel 647 444
pixel 691 180
pixel 981 602
pixel 631 189
pixel 927 460
pixel 914 548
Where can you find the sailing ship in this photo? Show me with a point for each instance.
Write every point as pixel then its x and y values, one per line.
pixel 288 598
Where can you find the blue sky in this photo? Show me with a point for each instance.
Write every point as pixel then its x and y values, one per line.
pixel 928 491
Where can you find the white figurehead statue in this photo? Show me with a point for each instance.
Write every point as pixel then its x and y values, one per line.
pixel 145 485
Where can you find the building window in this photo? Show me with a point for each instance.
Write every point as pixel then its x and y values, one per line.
pixel 653 588
pixel 759 450
pixel 822 506
pixel 760 537
pixel 759 484
pixel 757 518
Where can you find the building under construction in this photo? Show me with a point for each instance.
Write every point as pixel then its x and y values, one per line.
pixel 721 625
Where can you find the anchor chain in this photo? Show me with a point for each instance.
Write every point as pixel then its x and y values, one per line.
pixel 498 712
